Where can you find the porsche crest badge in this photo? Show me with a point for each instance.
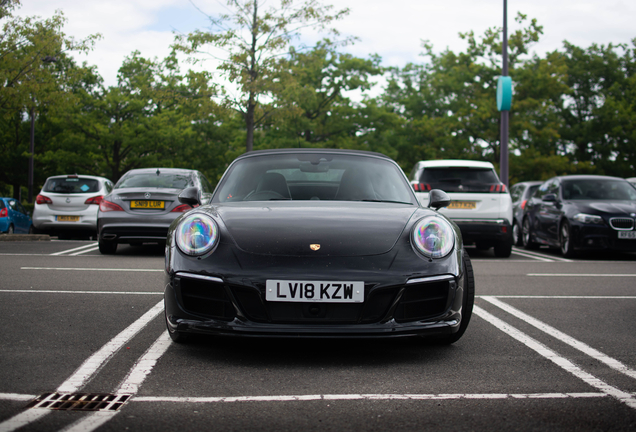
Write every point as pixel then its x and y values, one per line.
pixel 314 247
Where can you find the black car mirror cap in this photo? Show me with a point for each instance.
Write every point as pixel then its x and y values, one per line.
pixel 438 199
pixel 550 198
pixel 190 196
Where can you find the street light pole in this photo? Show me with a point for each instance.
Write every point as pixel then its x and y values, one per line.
pixel 505 114
pixel 31 151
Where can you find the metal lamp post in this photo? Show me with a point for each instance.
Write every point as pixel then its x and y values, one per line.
pixel 504 100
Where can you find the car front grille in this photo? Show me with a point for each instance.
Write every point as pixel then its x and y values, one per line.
pixel 205 298
pixel 424 300
pixel 622 223
pixel 212 299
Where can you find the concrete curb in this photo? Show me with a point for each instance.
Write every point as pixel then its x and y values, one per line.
pixel 25 237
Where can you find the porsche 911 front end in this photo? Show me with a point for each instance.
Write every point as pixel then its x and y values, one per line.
pixel 367 261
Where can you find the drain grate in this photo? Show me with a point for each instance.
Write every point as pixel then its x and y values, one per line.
pixel 79 401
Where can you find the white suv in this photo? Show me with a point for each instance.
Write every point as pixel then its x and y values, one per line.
pixel 481 205
pixel 68 204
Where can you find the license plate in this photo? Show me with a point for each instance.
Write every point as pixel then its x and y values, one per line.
pixel 627 235
pixel 465 205
pixel 68 218
pixel 147 204
pixel 314 291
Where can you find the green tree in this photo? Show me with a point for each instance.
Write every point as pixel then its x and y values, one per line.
pixel 34 68
pixel 254 39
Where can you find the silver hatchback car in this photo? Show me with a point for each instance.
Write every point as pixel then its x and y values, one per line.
pixel 68 204
pixel 143 204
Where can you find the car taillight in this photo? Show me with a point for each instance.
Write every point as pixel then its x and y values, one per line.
pixel 523 204
pixel 41 199
pixel 421 187
pixel 4 212
pixel 94 200
pixel 182 208
pixel 498 188
pixel 106 206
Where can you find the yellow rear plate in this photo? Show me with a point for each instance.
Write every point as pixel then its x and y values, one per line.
pixel 147 204
pixel 463 205
pixel 68 218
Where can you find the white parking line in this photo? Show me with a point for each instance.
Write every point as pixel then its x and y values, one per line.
pixel 92 269
pixel 561 297
pixel 574 343
pixel 130 385
pixel 332 397
pixel 87 370
pixel 68 251
pixel 538 255
pixel 82 292
pixel 624 397
pixel 582 274
pixel 85 251
pixel 16 397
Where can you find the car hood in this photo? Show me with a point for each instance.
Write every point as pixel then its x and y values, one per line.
pixel 287 228
pixel 606 207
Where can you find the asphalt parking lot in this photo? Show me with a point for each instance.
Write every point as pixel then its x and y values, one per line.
pixel 551 346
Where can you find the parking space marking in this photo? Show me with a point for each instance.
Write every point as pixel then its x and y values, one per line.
pixel 334 397
pixel 527 255
pixel 561 297
pixel 87 370
pixel 16 397
pixel 83 292
pixel 539 255
pixel 85 251
pixel 92 269
pixel 581 274
pixel 68 251
pixel 624 397
pixel 130 384
pixel 557 334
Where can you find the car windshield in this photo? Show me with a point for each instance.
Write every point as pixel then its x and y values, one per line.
pixel 594 189
pixel 155 180
pixel 459 179
pixel 319 176
pixel 71 185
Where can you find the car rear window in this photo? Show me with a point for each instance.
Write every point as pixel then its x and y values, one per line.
pixel 74 185
pixel 155 180
pixel 459 179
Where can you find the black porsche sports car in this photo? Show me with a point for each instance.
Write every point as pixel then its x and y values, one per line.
pixel 316 243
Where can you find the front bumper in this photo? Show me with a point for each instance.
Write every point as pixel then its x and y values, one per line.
pixel 211 305
pixel 485 230
pixel 595 237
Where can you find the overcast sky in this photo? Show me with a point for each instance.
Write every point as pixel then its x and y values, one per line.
pixel 391 28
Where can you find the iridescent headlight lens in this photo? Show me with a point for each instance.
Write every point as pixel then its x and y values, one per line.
pixel 197 234
pixel 433 237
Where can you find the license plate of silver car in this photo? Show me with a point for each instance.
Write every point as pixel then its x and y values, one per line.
pixel 627 235
pixel 314 291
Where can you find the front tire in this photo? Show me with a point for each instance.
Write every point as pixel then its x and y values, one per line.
pixel 517 239
pixel 565 240
pixel 467 304
pixel 526 235
pixel 107 248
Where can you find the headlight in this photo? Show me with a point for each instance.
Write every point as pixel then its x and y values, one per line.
pixel 197 234
pixel 433 237
pixel 588 219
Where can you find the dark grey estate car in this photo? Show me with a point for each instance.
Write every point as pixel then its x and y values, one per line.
pixel 143 204
pixel 520 194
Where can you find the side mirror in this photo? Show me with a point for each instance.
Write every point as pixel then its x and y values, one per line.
pixel 438 199
pixel 190 196
pixel 550 197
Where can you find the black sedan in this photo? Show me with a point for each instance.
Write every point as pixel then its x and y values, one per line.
pixel 582 212
pixel 316 243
